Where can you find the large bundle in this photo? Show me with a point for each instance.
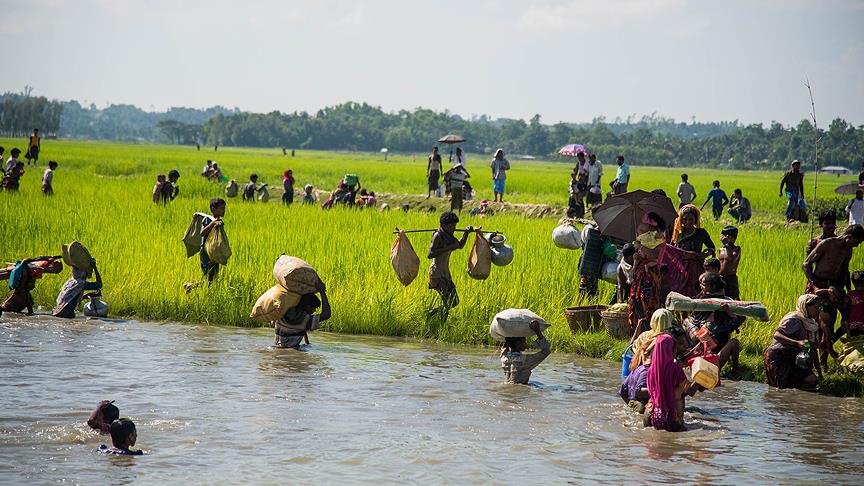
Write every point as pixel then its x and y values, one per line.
pixel 217 247
pixel 263 193
pixel 480 261
pixel 350 180
pixel 295 275
pixel 566 235
pixel 404 259
pixel 591 262
pixel 192 237
pixel 610 272
pixel 514 323
pixel 76 255
pixel 273 304
pixel 852 355
pixel 682 303
pixel 231 189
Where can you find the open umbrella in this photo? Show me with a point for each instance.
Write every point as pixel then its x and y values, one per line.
pixel 451 139
pixel 574 149
pixel 619 215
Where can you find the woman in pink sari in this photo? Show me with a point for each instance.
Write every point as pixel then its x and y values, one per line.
pixel 667 386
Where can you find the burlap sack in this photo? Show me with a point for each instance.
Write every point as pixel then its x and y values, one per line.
pixel 514 323
pixel 192 237
pixel 295 275
pixel 404 259
pixel 217 246
pixel 76 255
pixel 273 304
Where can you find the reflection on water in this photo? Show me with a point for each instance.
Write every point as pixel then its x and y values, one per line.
pixel 222 405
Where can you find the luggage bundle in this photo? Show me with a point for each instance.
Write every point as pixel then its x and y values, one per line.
pixel 294 278
pixel 515 323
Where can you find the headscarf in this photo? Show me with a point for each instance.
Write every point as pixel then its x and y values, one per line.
pixel 97 420
pixel 662 320
pixel 287 175
pixel 664 376
pixel 689 208
pixel 800 312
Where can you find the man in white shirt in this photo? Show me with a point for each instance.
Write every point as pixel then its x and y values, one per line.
pixel 595 174
pixel 855 208
pixel 13 160
pixel 686 192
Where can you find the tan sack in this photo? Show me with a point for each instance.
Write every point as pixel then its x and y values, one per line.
pixel 480 261
pixel 514 323
pixel 76 255
pixel 231 189
pixel 217 246
pixel 404 259
pixel 295 275
pixel 273 304
pixel 192 238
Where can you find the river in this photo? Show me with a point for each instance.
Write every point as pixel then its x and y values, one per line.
pixel 219 405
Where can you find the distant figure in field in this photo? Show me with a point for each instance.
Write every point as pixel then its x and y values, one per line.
pixel 718 199
pixel 11 181
pixel 207 168
pixel 595 175
pixel 13 159
pixel 575 206
pixel 622 176
pixel 198 146
pixel 2 165
pixel 250 188
pixel 308 197
pixel 686 192
pixel 170 190
pixel 433 171
pixel 48 178
pixel 793 182
pixel 455 179
pixel 739 207
pixel 292 152
pixel 855 208
pixel 33 147
pixel 216 147
pixel 284 151
pixel 288 187
pixel 159 191
pixel 499 166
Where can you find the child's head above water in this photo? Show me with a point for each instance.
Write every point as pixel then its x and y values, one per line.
pixel 123 433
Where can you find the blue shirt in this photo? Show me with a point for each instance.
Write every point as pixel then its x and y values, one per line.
pixel 623 173
pixel 717 197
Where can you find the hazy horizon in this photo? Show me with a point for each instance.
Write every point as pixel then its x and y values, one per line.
pixel 570 60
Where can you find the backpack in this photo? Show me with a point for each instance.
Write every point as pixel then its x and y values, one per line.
pixel 17 274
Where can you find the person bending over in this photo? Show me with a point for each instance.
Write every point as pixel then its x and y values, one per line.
pixel 293 328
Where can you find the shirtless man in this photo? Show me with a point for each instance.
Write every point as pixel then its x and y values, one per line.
pixel 444 242
pixel 827 268
pixel 828 223
pixel 730 256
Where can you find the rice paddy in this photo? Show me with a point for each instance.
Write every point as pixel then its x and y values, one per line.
pixel 102 198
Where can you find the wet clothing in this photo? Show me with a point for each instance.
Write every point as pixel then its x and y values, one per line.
pixel 114 451
pixel 665 376
pixel 720 324
pixel 97 420
pixel 21 299
pixel 780 368
pixel 291 329
pixel 517 366
pixel 635 382
pixel 72 292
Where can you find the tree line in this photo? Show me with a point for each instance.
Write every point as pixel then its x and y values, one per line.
pixel 648 140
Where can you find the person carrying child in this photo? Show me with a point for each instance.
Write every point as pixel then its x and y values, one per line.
pixel 293 328
pixel 104 415
pixel 730 256
pixel 123 437
pixel 444 242
pixel 517 366
pixel 170 189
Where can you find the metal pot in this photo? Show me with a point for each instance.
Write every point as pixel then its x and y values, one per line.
pixel 502 254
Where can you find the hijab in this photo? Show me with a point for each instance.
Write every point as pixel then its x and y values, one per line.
pixel 661 321
pixel 678 229
pixel 800 312
pixel 664 376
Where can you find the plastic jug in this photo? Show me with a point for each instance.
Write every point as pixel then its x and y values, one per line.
pixel 626 358
pixel 705 372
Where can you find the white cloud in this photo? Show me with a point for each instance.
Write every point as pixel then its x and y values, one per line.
pixel 582 14
pixel 355 18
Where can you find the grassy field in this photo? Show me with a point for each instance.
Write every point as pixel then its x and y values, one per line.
pixel 103 199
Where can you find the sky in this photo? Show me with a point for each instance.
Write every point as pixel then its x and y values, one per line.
pixel 566 60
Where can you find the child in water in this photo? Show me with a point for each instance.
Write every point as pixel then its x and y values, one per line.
pixel 105 414
pixel 123 436
pixel 516 365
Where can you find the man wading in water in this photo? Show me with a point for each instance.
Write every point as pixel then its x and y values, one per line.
pixel 444 242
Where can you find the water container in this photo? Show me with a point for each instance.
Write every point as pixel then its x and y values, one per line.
pixel 705 372
pixel 626 358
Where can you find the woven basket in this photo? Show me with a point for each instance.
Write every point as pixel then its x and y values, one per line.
pixel 616 324
pixel 585 318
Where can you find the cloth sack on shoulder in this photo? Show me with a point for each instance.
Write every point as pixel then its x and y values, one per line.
pixel 263 193
pixel 192 237
pixel 76 255
pixel 217 246
pixel 273 304
pixel 515 323
pixel 295 275
pixel 567 236
pixel 480 261
pixel 404 259
pixel 232 189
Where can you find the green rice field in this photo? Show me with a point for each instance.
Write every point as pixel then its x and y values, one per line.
pixel 102 198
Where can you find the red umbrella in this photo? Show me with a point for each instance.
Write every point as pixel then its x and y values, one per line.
pixel 619 215
pixel 574 149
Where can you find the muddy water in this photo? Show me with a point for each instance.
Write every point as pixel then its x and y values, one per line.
pixel 217 405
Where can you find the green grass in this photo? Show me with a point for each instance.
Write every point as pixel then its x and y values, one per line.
pixel 103 199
